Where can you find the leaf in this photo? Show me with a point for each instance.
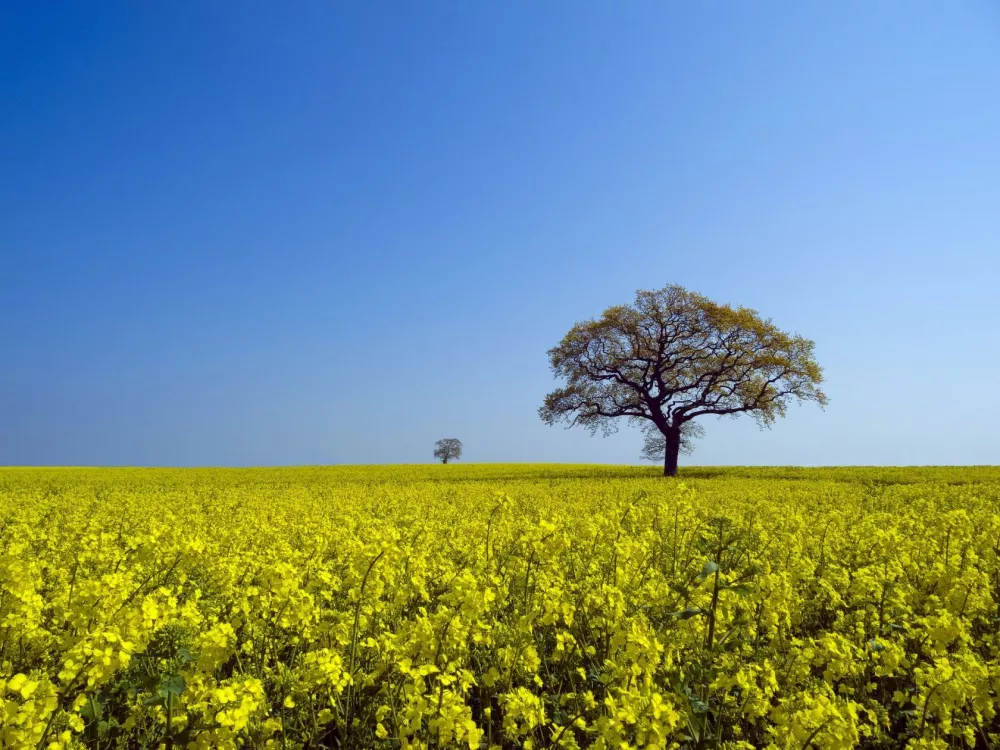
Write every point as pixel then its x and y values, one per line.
pixel 697 704
pixel 728 645
pixel 173 685
pixel 741 589
pixel 92 710
pixel 710 567
pixel 686 614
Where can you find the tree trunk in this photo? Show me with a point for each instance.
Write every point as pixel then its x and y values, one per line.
pixel 444 460
pixel 673 448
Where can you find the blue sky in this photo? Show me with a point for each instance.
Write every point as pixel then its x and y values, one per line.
pixel 301 233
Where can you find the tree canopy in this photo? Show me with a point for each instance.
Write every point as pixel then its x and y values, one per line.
pixel 448 449
pixel 673 356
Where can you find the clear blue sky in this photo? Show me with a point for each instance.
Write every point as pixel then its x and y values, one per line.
pixel 285 233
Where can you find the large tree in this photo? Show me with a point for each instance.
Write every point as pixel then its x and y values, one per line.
pixel 448 449
pixel 673 356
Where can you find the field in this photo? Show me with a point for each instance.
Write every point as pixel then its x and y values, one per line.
pixel 500 606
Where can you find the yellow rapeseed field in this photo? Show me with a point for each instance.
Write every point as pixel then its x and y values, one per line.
pixel 500 606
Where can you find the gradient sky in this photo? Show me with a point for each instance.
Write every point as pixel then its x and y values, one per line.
pixel 304 233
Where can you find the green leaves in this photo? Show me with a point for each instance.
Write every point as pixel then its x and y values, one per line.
pixel 172 685
pixel 697 704
pixel 686 614
pixel 92 710
pixel 741 589
pixel 710 567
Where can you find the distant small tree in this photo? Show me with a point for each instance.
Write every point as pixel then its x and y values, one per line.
pixel 448 449
pixel 655 443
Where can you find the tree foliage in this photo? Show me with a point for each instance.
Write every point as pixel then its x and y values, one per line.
pixel 448 449
pixel 673 356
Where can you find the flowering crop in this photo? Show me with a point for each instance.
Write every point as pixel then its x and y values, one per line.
pixel 500 607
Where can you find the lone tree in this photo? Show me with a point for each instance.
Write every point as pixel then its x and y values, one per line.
pixel 674 356
pixel 448 449
pixel 654 444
